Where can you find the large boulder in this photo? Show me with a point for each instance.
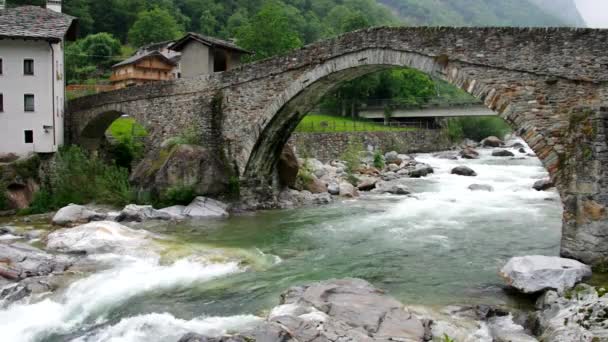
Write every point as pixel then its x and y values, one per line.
pixel 367 183
pixel 492 142
pixel 351 309
pixel 97 237
pixel 290 198
pixel 203 207
pixel 184 166
pixel 141 213
pixel 392 187
pixel 543 185
pixel 392 158
pixel 288 167
pixel 348 190
pixel 577 315
pixel 536 273
pixel 315 185
pixel 421 170
pixel 469 153
pixel 333 188
pixel 464 171
pixel 20 261
pixel 76 214
pixel 502 153
pixel 449 155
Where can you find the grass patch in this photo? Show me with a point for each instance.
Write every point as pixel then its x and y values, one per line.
pixel 319 123
pixel 126 128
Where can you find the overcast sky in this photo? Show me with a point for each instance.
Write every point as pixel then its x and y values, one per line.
pixel 595 12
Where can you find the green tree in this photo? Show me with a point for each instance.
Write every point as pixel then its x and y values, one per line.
pixel 208 24
pixel 100 48
pixel 354 21
pixel 269 32
pixel 155 25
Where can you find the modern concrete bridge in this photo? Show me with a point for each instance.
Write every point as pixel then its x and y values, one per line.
pixel 438 108
pixel 550 84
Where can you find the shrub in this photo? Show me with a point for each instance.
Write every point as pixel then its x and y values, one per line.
pixel 178 195
pixel 190 136
pixel 234 187
pixel 305 175
pixel 3 199
pixel 76 177
pixel 351 156
pixel 379 160
pixel 476 128
pixel 447 338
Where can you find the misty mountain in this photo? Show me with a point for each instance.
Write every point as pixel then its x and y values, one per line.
pixel 563 9
pixel 487 12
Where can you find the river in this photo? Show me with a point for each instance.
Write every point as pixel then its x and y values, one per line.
pixel 443 246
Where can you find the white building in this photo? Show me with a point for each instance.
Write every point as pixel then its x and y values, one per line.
pixel 32 83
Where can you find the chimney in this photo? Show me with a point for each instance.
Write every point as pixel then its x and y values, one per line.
pixel 2 4
pixel 53 5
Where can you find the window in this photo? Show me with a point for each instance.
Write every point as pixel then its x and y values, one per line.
pixel 0 66
pixel 1 103
pixel 29 137
pixel 29 103
pixel 28 66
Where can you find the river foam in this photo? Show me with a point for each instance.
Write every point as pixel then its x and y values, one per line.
pixel 165 327
pixel 89 300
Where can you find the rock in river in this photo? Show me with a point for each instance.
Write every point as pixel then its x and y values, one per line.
pixel 579 315
pixel 492 142
pixel 502 153
pixel 19 261
pixel 141 213
pixel 97 237
pixel 392 187
pixel 421 170
pixel 543 185
pixel 76 214
pixel 532 274
pixel 469 153
pixel 464 171
pixel 337 310
pixel 203 207
pixel 348 190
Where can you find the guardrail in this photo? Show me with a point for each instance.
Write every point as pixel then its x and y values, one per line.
pixel 424 103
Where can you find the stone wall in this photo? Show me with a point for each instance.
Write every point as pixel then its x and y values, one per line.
pixel 329 146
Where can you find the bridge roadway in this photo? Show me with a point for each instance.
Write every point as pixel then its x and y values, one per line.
pixel 428 111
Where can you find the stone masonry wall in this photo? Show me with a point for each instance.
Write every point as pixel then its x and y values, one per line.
pixel 330 146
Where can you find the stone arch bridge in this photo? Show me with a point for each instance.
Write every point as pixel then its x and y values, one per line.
pixel 550 84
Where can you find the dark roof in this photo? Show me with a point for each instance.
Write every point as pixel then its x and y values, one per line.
pixel 33 22
pixel 156 46
pixel 137 58
pixel 209 41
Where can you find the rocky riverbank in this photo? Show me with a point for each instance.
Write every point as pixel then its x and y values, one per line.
pixel 316 183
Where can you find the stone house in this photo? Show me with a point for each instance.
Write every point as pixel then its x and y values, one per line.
pixel 32 82
pixel 203 55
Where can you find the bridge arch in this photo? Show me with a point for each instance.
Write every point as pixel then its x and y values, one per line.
pixel 289 108
pixel 551 84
